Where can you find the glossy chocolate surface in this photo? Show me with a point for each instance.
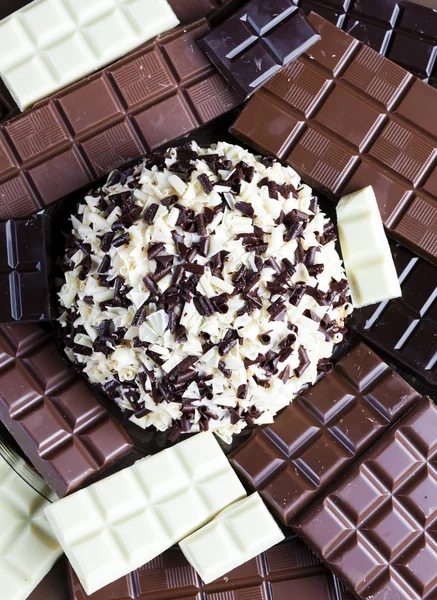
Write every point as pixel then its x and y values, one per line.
pixel 52 414
pixel 376 527
pixel 256 41
pixel 25 270
pixel 322 432
pixel 345 117
pixel 400 30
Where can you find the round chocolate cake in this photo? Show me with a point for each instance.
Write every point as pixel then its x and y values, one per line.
pixel 203 289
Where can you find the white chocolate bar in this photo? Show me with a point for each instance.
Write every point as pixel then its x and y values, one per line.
pixel 236 535
pixel 28 548
pixel 51 43
pixel 122 522
pixel 366 253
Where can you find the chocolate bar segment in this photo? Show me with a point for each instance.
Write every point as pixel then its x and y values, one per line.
pixel 255 42
pixel 163 91
pixel 188 11
pixel 376 527
pixel 322 432
pixel 25 270
pixel 406 328
pixel 306 116
pixel 289 570
pixel 52 414
pixel 403 31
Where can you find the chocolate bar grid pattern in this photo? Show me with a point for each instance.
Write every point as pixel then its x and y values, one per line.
pixel 163 91
pixel 24 529
pixel 345 117
pixel 55 418
pixel 64 40
pixel 314 439
pixel 402 31
pixel 136 514
pixel 406 328
pixel 394 490
pixel 289 570
pixel 24 263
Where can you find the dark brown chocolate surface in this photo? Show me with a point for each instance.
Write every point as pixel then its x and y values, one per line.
pixel 406 328
pixel 286 572
pixel 322 432
pixel 345 117
pixel 166 89
pixel 376 527
pixel 53 586
pixel 189 11
pixel 400 30
pixel 51 413
pixel 256 41
pixel 25 270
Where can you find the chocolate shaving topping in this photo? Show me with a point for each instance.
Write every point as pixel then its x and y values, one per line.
pixel 205 182
pixel 245 208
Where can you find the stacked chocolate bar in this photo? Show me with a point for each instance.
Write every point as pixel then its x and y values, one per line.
pixel 198 288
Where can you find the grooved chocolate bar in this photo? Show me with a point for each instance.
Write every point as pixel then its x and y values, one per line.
pixel 406 328
pixel 256 41
pixel 52 414
pixel 163 91
pixel 404 32
pixel 322 432
pixel 287 571
pixel 345 117
pixel 376 527
pixel 25 270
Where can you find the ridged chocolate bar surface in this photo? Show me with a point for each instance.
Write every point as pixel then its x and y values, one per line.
pixel 376 528
pixel 25 270
pixel 322 432
pixel 161 92
pixel 345 117
pixel 404 32
pixel 256 41
pixel 52 414
pixel 406 328
pixel 287 571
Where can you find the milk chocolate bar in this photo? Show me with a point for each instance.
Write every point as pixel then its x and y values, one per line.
pixel 366 254
pixel 236 535
pixel 375 527
pixel 406 328
pixel 287 571
pixel 403 31
pixel 307 116
pixel 52 414
pixel 25 270
pixel 256 41
pixel 119 523
pixel 49 44
pixel 163 91
pixel 322 432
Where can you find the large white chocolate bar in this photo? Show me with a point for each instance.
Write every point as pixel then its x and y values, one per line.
pixel 52 43
pixel 28 548
pixel 236 535
pixel 366 253
pixel 122 522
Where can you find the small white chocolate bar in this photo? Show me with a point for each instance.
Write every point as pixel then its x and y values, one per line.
pixel 28 548
pixel 122 522
pixel 51 43
pixel 235 536
pixel 366 253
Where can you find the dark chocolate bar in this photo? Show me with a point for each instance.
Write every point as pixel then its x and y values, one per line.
pixel 376 527
pixel 51 413
pixel 25 270
pixel 54 585
pixel 403 31
pixel 188 11
pixel 406 328
pixel 161 92
pixel 255 42
pixel 287 571
pixel 345 117
pixel 322 432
